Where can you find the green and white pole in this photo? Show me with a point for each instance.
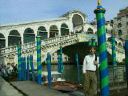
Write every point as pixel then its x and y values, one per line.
pixel 39 65
pixel 101 32
pixel 19 62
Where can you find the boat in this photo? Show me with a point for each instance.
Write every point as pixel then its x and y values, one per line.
pixel 58 82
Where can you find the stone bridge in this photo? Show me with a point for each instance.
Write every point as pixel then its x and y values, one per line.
pixel 9 55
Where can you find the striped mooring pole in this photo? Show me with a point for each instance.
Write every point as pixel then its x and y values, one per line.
pixel 92 42
pixel 78 67
pixel 32 67
pixel 28 68
pixel 114 56
pixel 39 65
pixel 23 68
pixel 48 59
pixel 60 61
pixel 126 58
pixel 101 32
pixel 19 62
pixel 113 50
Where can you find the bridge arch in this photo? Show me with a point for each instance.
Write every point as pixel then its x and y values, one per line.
pixel 43 32
pixel 28 35
pixel 90 31
pixel 2 41
pixel 78 22
pixel 53 31
pixel 14 35
pixel 64 29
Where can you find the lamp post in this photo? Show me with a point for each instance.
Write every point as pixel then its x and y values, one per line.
pixel 101 32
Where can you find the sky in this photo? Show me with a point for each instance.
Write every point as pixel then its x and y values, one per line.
pixel 19 11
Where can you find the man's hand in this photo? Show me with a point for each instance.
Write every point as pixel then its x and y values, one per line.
pixel 95 62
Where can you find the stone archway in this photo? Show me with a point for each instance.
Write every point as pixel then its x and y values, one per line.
pixel 90 31
pixel 14 38
pixel 64 29
pixel 77 21
pixel 29 35
pixel 53 31
pixel 2 41
pixel 42 32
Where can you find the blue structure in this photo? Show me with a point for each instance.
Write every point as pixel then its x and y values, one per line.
pixel 32 67
pixel 39 65
pixel 78 68
pixel 60 61
pixel 19 62
pixel 101 32
pixel 48 60
pixel 27 76
pixel 126 58
pixel 114 63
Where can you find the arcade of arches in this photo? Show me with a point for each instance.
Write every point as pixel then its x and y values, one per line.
pixel 29 35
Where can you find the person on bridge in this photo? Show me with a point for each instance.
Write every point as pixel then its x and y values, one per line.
pixel 90 64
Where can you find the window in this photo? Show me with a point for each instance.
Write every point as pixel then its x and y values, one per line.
pixel 127 16
pixel 119 18
pixel 126 23
pixel 120 33
pixel 119 25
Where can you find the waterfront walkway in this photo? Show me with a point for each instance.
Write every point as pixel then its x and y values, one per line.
pixel 26 88
pixel 7 90
pixel 30 88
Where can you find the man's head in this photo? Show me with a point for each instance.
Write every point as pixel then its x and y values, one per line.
pixel 92 50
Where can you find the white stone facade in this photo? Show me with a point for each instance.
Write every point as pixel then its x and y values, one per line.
pixel 72 22
pixel 120 23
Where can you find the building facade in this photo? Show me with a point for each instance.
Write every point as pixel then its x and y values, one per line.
pixel 120 23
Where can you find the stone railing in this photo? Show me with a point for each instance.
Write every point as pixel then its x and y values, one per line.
pixel 53 44
pixel 47 43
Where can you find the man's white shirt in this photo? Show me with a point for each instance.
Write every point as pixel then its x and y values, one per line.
pixel 88 63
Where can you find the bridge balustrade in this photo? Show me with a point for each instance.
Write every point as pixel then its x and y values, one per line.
pixel 55 43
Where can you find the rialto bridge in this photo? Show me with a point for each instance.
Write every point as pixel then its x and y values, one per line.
pixel 71 28
pixel 69 23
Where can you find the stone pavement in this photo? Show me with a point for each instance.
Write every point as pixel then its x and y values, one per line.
pixel 7 90
pixel 30 88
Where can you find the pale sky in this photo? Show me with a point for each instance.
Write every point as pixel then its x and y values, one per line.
pixel 18 11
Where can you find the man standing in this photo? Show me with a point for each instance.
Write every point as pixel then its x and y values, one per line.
pixel 89 69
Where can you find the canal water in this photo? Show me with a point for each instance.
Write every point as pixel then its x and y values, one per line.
pixel 71 73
